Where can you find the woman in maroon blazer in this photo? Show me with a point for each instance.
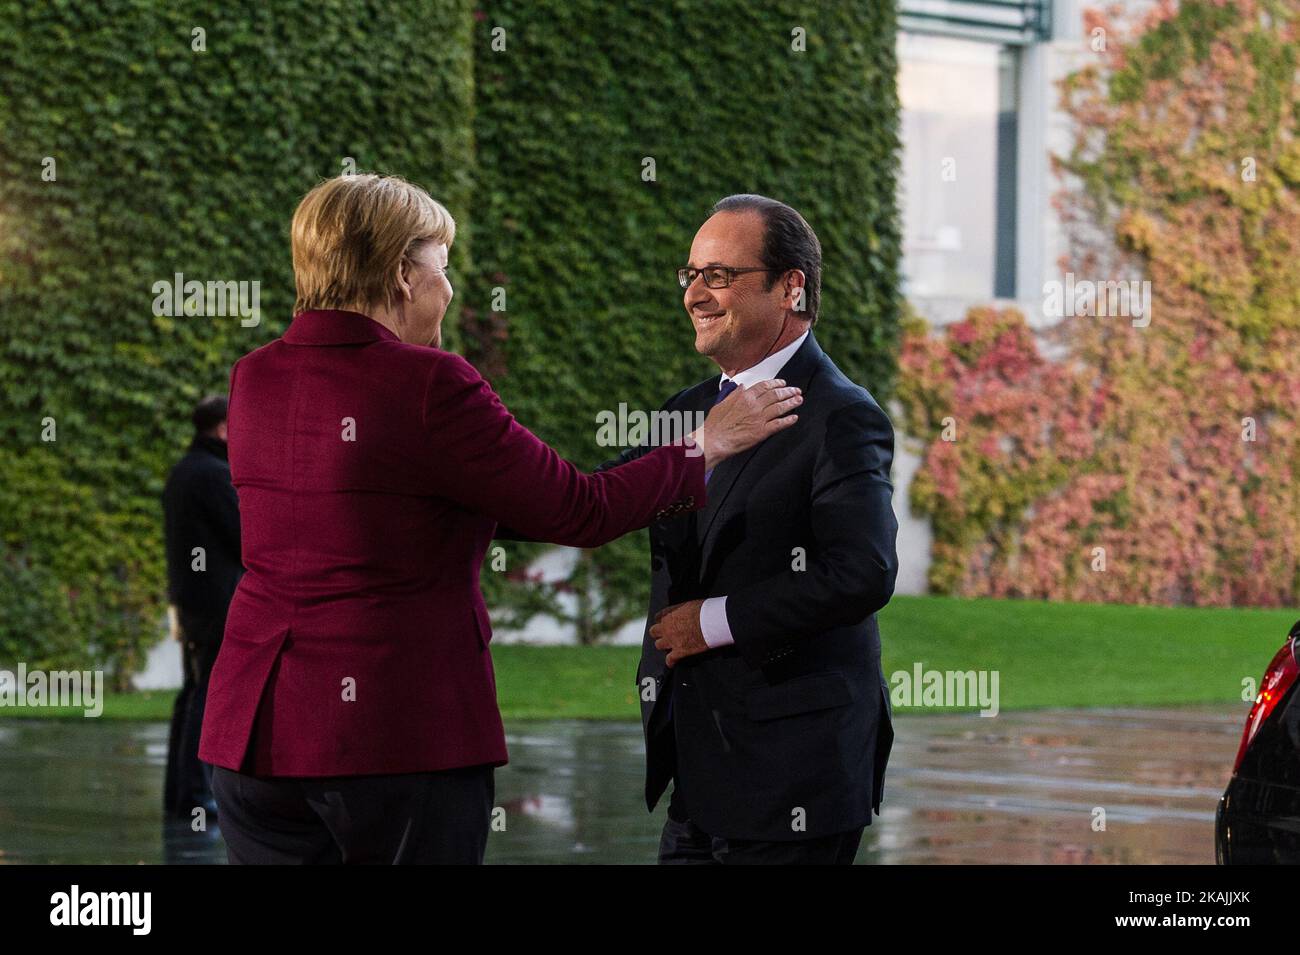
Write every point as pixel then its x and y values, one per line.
pixel 352 715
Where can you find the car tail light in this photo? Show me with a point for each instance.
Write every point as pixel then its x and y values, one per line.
pixel 1278 678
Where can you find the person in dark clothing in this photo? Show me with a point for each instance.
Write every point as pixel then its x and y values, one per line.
pixel 201 531
pixel 172 784
pixel 763 700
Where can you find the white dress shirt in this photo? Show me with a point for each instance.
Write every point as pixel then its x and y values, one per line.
pixel 713 612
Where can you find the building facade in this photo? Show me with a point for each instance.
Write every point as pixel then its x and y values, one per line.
pixel 977 83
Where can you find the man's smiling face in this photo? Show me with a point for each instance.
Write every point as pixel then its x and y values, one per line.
pixel 733 325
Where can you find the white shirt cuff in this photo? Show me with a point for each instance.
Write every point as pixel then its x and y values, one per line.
pixel 713 622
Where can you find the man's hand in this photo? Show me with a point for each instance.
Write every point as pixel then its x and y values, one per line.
pixel 677 630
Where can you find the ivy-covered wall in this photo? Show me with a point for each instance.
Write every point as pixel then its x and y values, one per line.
pixel 139 140
pixel 173 152
pixel 1153 458
pixel 605 132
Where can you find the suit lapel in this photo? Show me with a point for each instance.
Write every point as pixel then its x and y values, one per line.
pixel 678 535
pixel 798 371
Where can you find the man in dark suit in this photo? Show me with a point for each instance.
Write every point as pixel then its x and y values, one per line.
pixel 201 531
pixel 762 695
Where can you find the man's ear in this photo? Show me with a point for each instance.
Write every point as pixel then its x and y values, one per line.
pixel 794 291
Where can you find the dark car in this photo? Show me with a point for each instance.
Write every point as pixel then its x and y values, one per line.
pixel 1258 820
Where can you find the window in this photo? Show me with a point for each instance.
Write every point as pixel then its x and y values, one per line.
pixel 958 179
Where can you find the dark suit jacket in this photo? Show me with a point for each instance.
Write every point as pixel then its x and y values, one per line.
pixel 793 721
pixel 371 474
pixel 200 509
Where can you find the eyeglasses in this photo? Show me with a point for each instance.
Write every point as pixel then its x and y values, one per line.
pixel 715 276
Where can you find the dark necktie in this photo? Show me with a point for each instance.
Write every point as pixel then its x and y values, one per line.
pixel 727 388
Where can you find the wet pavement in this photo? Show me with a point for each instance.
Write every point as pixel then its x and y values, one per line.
pixel 1022 787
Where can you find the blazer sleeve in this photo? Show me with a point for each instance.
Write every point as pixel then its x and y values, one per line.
pixel 505 533
pixel 482 458
pixel 631 454
pixel 852 560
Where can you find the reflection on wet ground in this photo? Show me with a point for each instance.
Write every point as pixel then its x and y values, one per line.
pixel 1024 787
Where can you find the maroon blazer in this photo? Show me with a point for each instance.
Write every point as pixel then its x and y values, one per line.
pixel 371 477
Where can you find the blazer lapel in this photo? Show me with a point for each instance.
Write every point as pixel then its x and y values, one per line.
pixel 678 536
pixel 798 371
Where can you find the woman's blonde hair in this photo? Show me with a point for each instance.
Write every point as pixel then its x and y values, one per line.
pixel 351 233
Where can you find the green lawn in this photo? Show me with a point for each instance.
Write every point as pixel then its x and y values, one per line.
pixel 1046 654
